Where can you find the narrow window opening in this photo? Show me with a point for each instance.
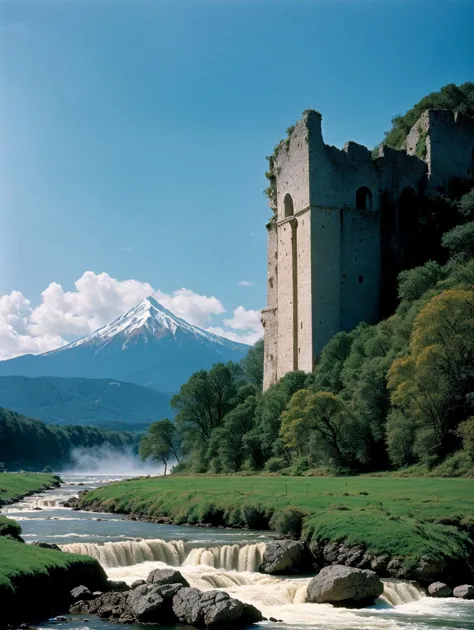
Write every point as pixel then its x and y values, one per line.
pixel 361 279
pixel 363 198
pixel 288 205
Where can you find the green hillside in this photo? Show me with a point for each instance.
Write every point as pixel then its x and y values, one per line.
pixel 106 403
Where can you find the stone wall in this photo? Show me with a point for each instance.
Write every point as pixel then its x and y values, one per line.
pixel 338 219
pixel 449 139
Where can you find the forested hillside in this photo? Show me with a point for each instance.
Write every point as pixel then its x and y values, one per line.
pixel 31 444
pixel 385 396
pixel 101 402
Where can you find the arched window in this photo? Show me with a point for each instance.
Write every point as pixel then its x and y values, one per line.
pixel 363 198
pixel 288 205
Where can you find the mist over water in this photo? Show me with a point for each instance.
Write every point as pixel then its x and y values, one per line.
pixel 103 460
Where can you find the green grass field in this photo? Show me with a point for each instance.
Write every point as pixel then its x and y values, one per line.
pixel 14 486
pixel 403 517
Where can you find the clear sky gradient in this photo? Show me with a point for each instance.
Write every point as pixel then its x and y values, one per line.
pixel 133 133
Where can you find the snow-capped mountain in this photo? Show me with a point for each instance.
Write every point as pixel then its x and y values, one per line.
pixel 148 345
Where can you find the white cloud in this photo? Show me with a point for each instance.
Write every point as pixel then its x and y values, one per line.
pixel 247 323
pixel 245 283
pixel 248 338
pixel 245 320
pixel 96 301
pixel 15 339
pixel 194 308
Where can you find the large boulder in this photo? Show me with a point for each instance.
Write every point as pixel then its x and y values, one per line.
pixel 111 605
pixel 166 576
pixel 212 609
pixel 117 585
pixel 427 569
pixel 465 591
pixel 80 593
pixel 145 602
pixel 283 556
pixel 153 602
pixel 337 584
pixel 439 589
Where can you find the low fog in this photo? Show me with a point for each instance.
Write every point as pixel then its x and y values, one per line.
pixel 107 461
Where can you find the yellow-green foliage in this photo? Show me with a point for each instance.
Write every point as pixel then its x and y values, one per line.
pixel 396 516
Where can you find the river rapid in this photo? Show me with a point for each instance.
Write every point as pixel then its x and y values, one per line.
pixel 212 558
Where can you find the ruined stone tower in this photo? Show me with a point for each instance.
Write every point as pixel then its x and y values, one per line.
pixel 339 216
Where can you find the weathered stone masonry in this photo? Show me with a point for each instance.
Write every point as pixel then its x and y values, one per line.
pixel 336 213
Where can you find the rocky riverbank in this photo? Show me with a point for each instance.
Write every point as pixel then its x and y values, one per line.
pixel 35 582
pixel 290 556
pixel 166 598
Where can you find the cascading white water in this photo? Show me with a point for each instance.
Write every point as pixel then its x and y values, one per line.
pixel 398 592
pixel 129 552
pixel 173 553
pixel 229 557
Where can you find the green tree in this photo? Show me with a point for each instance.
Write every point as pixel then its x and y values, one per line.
pixel 202 404
pixel 460 242
pixel 321 416
pixel 328 372
pixel 413 283
pixel 252 364
pixel 270 406
pixel 431 385
pixel 161 443
pixel 466 205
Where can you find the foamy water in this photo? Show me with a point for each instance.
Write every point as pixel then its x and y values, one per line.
pixel 218 559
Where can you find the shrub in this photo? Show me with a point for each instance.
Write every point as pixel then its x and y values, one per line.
pixel 300 466
pixel 254 517
pixel 466 431
pixel 275 464
pixel 458 465
pixel 288 521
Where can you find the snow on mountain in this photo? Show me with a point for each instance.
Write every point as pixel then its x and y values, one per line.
pixel 148 345
pixel 148 318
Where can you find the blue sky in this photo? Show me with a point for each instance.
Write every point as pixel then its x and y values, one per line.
pixel 133 133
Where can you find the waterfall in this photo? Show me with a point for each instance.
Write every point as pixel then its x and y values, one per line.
pixel 173 553
pixel 397 592
pixel 130 552
pixel 228 557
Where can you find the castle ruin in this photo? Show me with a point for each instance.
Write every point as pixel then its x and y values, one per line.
pixel 342 222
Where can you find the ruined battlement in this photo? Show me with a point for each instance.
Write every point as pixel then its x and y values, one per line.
pixel 337 214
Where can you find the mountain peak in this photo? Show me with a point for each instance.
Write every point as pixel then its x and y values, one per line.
pixel 148 345
pixel 150 320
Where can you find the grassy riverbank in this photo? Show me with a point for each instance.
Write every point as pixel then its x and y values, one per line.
pixel 405 518
pixel 14 486
pixel 35 582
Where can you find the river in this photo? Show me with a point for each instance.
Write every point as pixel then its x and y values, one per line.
pixel 212 558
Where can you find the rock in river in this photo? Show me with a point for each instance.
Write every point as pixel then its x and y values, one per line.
pixel 337 584
pixel 439 589
pixel 166 576
pixel 213 609
pixel 465 591
pixel 282 556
